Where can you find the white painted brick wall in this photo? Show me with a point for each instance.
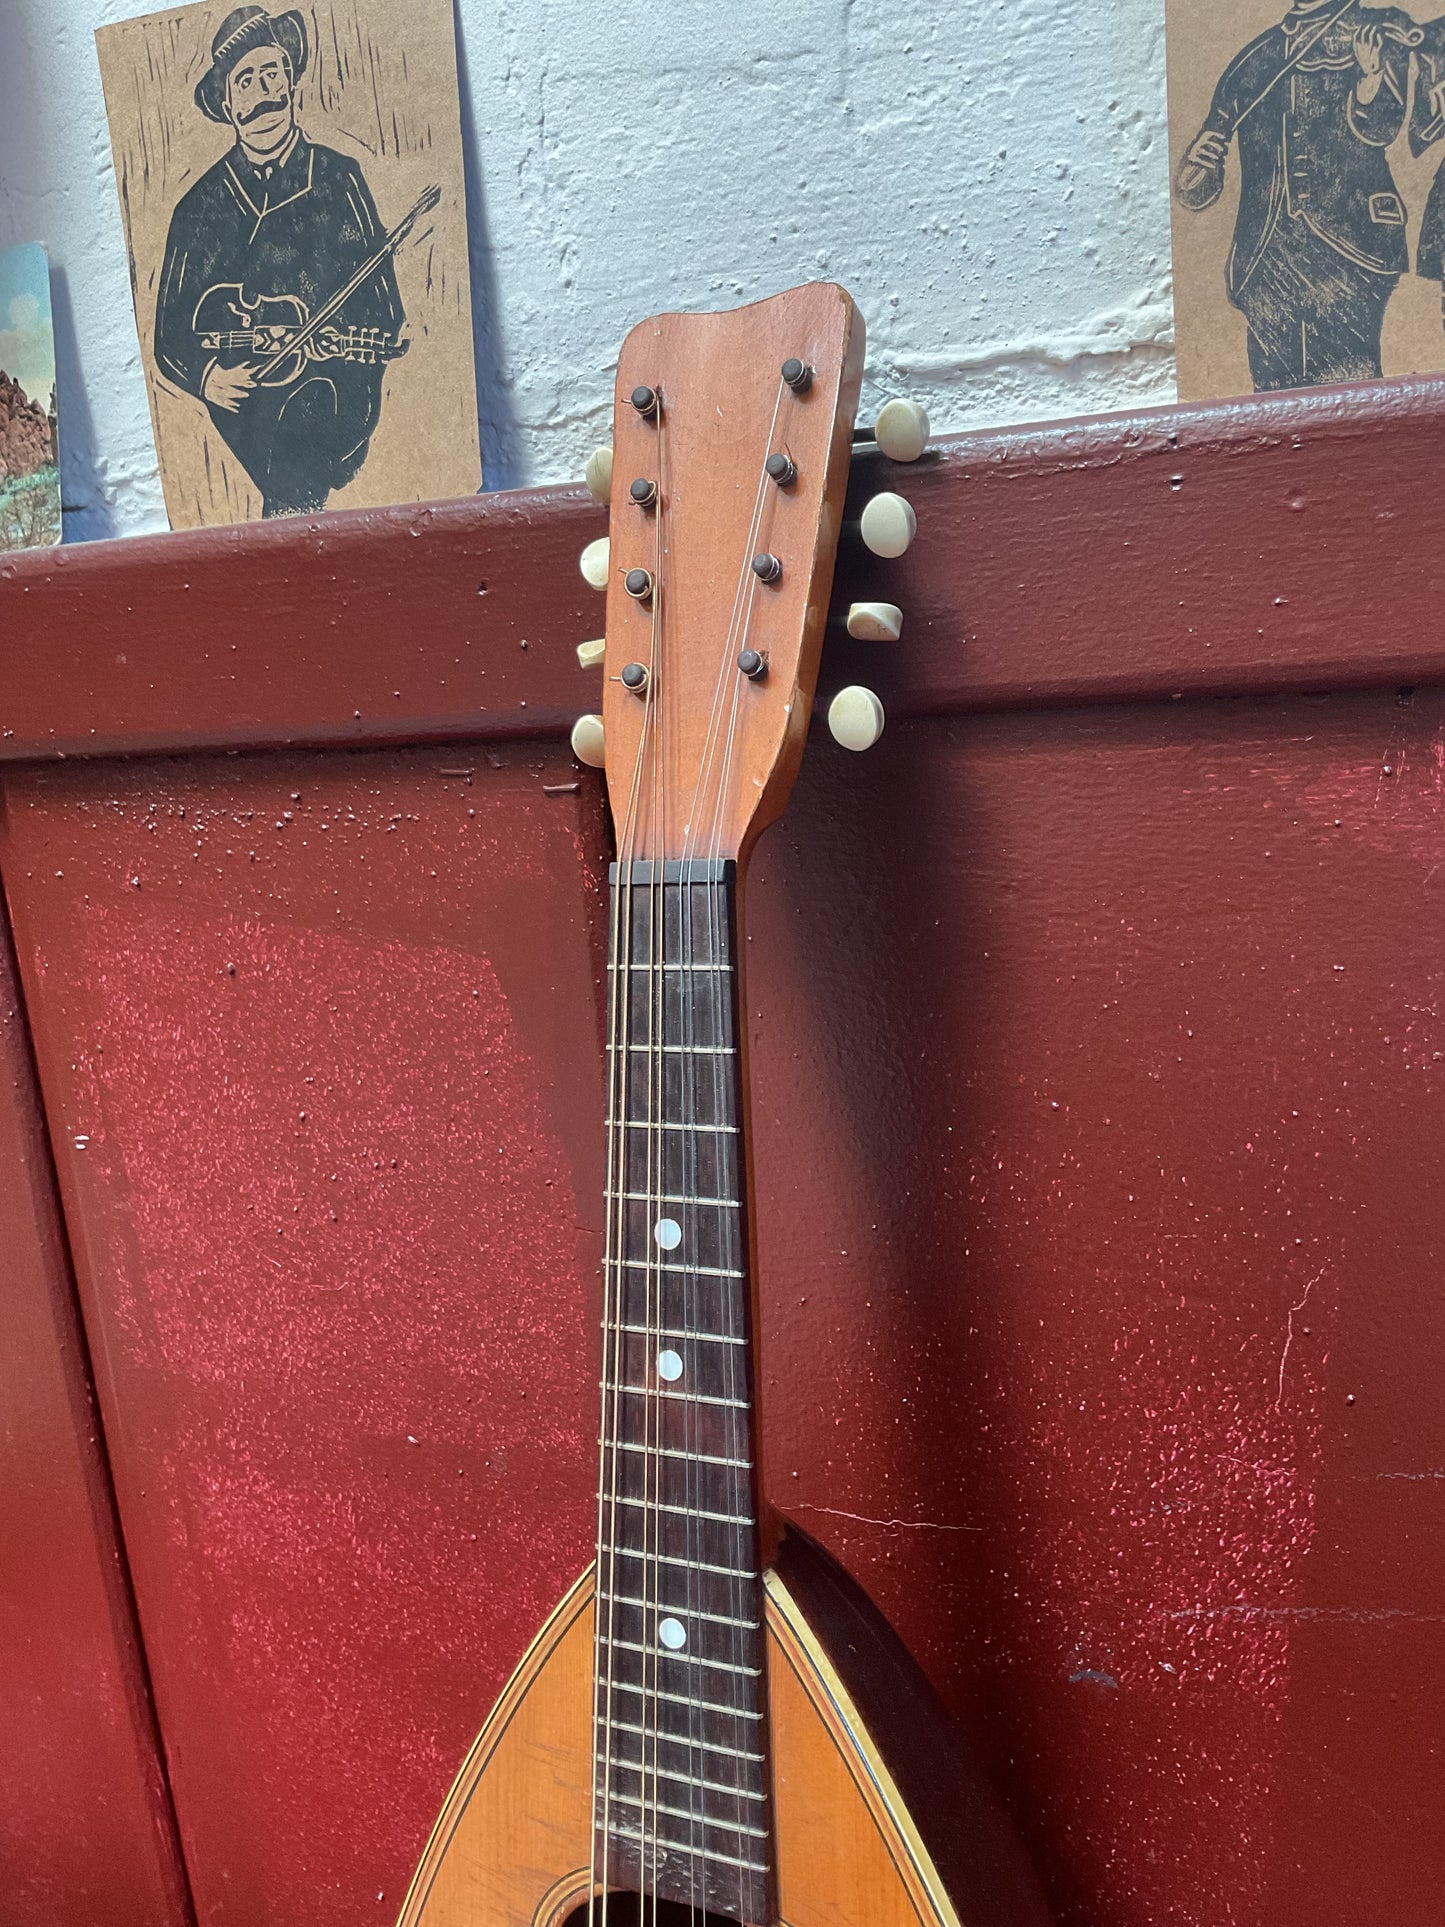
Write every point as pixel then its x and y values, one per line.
pixel 989 181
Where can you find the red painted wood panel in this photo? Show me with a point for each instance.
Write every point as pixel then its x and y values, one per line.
pixel 1281 543
pixel 1099 1106
pixel 320 1048
pixel 1098 1097
pixel 86 1831
pixel 1100 1076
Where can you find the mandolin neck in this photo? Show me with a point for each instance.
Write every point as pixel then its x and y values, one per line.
pixel 681 1806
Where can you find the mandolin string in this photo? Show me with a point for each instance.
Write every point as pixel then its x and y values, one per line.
pixel 738 1588
pixel 688 1188
pixel 692 1439
pixel 652 1461
pixel 620 1030
pixel 723 1077
pixel 609 1455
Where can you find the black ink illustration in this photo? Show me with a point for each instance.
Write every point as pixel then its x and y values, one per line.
pixel 1319 242
pixel 1427 126
pixel 278 304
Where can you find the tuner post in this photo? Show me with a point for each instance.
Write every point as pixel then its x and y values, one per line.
pixel 635 678
pixel 797 375
pixel 638 584
pixel 767 568
pixel 753 664
pixel 646 401
pixel 781 469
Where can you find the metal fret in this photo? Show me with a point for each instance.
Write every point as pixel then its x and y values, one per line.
pixel 696 1458
pixel 685 1813
pixel 669 1197
pixel 674 1331
pixel 679 1271
pixel 683 1699
pixel 686 1659
pixel 683 1779
pixel 722 969
pixel 688 1565
pixel 704 1853
pixel 688 1398
pixel 683 1511
pixel 692 1745
pixel 658 1124
pixel 672 1606
pixel 689 1050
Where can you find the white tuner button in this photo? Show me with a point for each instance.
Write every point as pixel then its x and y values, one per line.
pixel 587 744
pixel 596 560
pixel 887 525
pixel 592 654
pixel 901 431
pixel 855 717
pixel 867 622
pixel 599 471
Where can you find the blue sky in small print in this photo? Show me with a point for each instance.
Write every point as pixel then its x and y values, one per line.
pixel 27 342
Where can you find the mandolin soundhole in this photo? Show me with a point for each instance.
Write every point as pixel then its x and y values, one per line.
pixel 631 1910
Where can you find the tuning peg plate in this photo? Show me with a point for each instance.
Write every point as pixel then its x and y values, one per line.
pixel 874 622
pixel 901 430
pixel 591 654
pixel 855 717
pixel 599 474
pixel 587 741
pixel 887 525
pixel 596 560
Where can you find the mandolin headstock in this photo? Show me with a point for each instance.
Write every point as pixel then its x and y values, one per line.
pixel 731 447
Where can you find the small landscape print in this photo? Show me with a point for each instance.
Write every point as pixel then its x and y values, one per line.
pixel 29 448
pixel 290 180
pixel 1309 206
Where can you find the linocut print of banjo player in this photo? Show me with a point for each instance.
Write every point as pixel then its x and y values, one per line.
pixel 278 302
pixel 1319 243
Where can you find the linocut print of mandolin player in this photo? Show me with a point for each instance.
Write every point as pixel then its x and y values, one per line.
pixel 278 304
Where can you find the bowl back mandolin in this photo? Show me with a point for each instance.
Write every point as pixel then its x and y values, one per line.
pixel 714 1724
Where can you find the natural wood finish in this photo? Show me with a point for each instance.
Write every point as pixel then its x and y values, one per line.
pixel 512 1846
pixel 706 759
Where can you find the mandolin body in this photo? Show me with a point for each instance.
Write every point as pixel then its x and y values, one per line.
pixel 512 1847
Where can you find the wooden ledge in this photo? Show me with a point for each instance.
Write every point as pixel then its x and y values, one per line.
pixel 1263 545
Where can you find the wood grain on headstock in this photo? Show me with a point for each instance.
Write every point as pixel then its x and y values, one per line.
pixel 701 762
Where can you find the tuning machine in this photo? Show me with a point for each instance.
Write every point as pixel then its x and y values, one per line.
pixel 870 622
pixel 588 744
pixel 598 475
pixel 855 717
pixel 887 525
pixel 595 562
pixel 900 431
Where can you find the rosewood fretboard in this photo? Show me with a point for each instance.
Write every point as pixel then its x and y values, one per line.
pixel 682 1804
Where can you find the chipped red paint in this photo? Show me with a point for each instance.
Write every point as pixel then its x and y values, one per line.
pixel 1097 1074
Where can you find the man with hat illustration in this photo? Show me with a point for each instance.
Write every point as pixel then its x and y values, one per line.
pixel 266 237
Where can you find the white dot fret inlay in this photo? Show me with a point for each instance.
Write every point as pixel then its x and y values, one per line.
pixel 669 1366
pixel 667 1233
pixel 673 1635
